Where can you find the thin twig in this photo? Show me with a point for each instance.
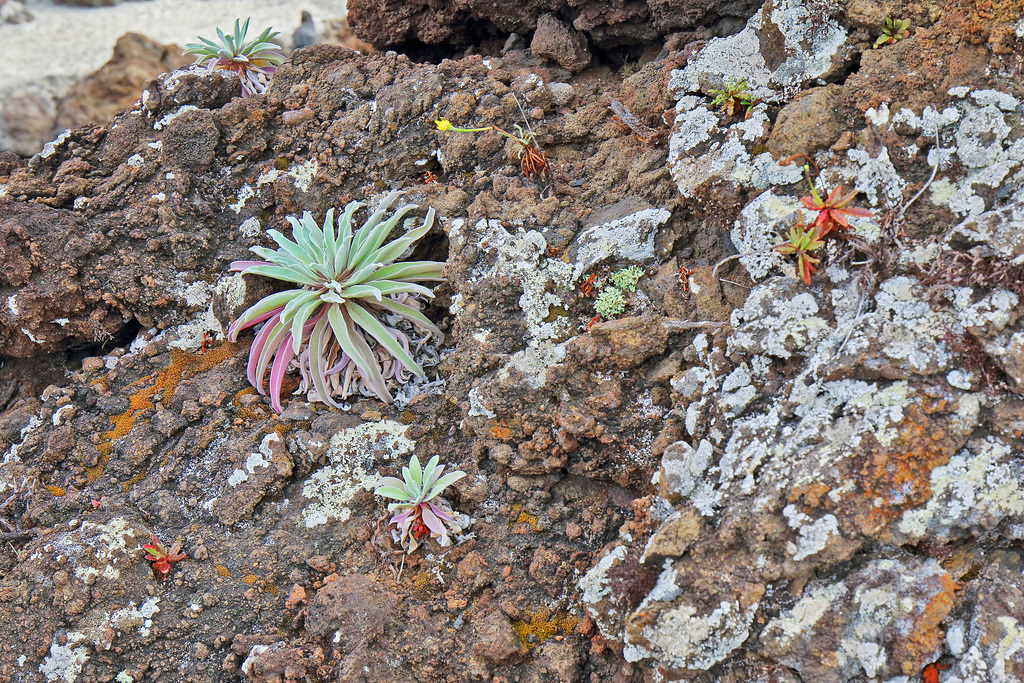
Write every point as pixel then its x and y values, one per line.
pixel 676 324
pixel 938 161
pixel 732 282
pixel 523 112
pixel 714 271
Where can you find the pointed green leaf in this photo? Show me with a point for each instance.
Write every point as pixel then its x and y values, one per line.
pixel 415 317
pixel 369 322
pixel 318 340
pixel 443 483
pixel 411 270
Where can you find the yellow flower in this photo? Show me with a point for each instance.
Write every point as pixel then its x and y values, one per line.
pixel 443 124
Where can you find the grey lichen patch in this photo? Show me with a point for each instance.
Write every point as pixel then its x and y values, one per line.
pixel 682 468
pixel 998 233
pixel 630 238
pixel 870 621
pixel 99 549
pixel 985 141
pixel 779 320
pixel 688 636
pixel 814 535
pixel 698 152
pixel 979 488
pixel 905 328
pixel 801 40
pixel 210 306
pixel 758 229
pixel 356 456
pixel 596 588
pixel 519 258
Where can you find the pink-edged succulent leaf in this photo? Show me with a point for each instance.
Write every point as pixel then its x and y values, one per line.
pixel 236 266
pixel 317 345
pixel 440 513
pixel 432 522
pixel 283 356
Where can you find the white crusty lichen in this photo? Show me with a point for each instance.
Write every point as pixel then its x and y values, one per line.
pixel 301 175
pixel 698 153
pixel 203 301
pixel 596 589
pixel 355 455
pixel 261 458
pixel 810 38
pixel 862 619
pixel 812 536
pixel 519 258
pixel 630 238
pixel 96 549
pixel 976 490
pixel 684 637
pixel 776 322
pixel 976 133
pixel 65 662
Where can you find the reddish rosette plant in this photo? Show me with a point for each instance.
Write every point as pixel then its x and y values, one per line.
pixel 803 243
pixel 834 209
pixel 160 558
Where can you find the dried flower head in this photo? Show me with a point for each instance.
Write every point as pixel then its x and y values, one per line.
pixel 254 61
pixel 332 322
pixel 417 515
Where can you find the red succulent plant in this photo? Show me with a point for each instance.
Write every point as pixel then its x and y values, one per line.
pixel 161 558
pixel 834 209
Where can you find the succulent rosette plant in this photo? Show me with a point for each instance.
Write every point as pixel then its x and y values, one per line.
pixel 160 557
pixel 332 323
pixel 417 515
pixel 254 61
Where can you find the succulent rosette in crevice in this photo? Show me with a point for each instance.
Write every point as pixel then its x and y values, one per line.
pixel 332 325
pixel 254 61
pixel 417 514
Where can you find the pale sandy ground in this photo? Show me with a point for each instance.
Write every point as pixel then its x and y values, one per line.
pixel 63 43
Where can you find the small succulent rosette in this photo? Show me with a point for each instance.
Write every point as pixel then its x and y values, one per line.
pixel 254 61
pixel 419 513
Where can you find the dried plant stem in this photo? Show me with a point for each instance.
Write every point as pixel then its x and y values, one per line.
pixel 938 161
pixel 714 271
pixel 676 324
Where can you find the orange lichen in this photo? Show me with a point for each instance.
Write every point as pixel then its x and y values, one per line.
pixel 249 579
pixel 127 484
pixel 222 570
pixel 183 365
pixel 536 627
pixel 898 476
pixel 809 494
pixel 526 518
pixel 501 432
pixel 242 411
pixel 56 491
pixel 925 636
pixel 524 521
